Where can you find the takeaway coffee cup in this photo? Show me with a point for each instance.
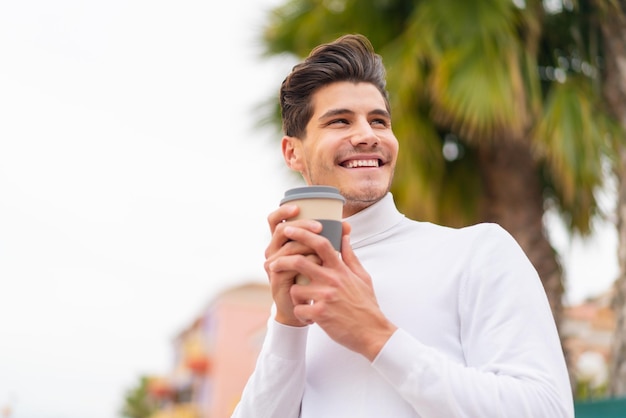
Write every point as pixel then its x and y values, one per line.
pixel 322 203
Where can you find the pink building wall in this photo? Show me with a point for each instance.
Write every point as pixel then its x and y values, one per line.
pixel 238 321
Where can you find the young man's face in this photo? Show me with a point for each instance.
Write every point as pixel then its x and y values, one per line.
pixel 349 144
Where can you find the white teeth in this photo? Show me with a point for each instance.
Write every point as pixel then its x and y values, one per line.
pixel 361 163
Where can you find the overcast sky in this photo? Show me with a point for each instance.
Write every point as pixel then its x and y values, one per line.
pixel 134 186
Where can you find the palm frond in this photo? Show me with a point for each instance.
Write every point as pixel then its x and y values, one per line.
pixel 572 137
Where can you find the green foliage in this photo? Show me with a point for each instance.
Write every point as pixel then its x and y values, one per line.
pixel 299 25
pixel 572 137
pixel 138 403
pixel 585 391
pixel 476 71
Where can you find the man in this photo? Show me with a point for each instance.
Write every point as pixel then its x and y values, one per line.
pixel 414 319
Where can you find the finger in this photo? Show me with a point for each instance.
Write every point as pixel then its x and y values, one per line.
pixel 346 228
pixel 303 280
pixel 275 220
pixel 290 248
pixel 312 239
pixel 314 259
pixel 303 312
pixel 351 260
pixel 296 263
pixel 279 239
pixel 281 214
pixel 281 280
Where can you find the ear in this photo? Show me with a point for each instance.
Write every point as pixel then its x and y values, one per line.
pixel 292 152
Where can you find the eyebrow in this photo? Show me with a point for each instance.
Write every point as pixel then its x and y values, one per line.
pixel 337 112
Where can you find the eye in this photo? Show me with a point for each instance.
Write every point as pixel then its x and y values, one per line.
pixel 380 122
pixel 340 121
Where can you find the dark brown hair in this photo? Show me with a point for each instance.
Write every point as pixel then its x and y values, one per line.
pixel 349 58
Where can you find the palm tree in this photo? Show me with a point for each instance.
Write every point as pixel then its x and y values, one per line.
pixel 614 37
pixel 496 106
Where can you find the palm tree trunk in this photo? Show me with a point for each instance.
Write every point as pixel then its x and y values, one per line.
pixel 614 34
pixel 617 367
pixel 513 199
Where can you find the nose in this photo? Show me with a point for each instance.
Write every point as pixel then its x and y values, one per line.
pixel 364 134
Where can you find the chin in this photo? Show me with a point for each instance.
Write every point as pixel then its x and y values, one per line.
pixel 365 196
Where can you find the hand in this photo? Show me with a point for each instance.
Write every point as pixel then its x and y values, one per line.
pixel 340 297
pixel 281 246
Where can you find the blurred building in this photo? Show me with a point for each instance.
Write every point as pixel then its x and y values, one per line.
pixel 587 330
pixel 215 355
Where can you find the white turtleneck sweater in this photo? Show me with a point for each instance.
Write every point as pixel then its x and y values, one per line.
pixel 476 337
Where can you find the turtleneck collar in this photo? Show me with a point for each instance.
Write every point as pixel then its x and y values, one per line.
pixel 374 220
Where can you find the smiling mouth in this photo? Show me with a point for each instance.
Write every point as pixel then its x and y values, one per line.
pixel 362 163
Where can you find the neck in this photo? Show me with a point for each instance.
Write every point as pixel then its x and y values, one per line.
pixel 352 207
